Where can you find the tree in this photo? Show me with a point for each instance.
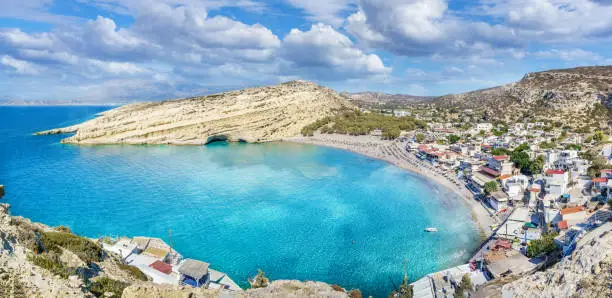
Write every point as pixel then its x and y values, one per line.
pixel 522 147
pixel 481 133
pixel 521 160
pixel 405 290
pixel 500 151
pixel 419 137
pixel 544 245
pixel 599 136
pixel 490 187
pixel 453 138
pixel 497 133
pixel 464 286
pixel 260 280
pixel 537 165
pixel 547 145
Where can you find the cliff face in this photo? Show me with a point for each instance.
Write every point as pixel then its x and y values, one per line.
pixel 253 115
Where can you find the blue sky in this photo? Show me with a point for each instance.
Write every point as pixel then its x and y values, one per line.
pixel 130 50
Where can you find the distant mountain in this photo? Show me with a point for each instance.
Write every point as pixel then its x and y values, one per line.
pixel 375 99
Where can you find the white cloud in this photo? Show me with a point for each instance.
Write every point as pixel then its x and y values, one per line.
pixel 425 27
pixel 327 52
pixel 20 66
pixel 17 38
pixel 570 55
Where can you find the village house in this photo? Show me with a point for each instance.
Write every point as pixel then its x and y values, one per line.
pixel 556 182
pixel 573 215
pixel 484 126
pixel 498 200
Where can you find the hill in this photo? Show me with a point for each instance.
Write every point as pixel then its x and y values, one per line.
pixel 576 97
pixel 380 99
pixel 253 115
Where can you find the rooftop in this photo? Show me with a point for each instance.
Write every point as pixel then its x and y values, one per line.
pixel 571 210
pixel 194 268
pixel 554 172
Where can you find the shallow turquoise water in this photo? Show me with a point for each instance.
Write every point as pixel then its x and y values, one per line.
pixel 295 211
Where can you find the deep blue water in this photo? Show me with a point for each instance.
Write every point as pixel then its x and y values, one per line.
pixel 295 211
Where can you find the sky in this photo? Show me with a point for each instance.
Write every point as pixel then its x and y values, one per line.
pixel 134 50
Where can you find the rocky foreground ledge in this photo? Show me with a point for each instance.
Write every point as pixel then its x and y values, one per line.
pixel 260 114
pixel 40 261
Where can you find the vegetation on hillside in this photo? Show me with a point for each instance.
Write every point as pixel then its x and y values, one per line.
pixel 134 272
pixel 598 162
pixel 355 122
pixel 104 285
pixel 85 249
pixel 260 280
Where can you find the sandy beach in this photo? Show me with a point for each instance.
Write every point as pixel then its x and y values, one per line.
pixel 394 153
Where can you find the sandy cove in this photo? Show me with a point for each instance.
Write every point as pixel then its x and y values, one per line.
pixel 394 153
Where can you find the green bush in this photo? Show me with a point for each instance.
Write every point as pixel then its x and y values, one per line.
pixel 544 245
pixel 490 187
pixel 104 284
pixel 52 262
pixel 85 249
pixel 355 122
pixel 464 286
pixel 134 272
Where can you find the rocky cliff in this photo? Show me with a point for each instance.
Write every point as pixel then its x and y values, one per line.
pixel 252 115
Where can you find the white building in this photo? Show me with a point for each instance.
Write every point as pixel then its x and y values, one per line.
pixel 401 113
pixel 607 153
pixel 556 182
pixel 484 126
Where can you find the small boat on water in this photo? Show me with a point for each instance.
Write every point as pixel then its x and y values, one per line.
pixel 431 229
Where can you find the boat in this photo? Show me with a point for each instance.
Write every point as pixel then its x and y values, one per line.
pixel 431 229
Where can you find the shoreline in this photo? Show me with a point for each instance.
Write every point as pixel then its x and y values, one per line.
pixel 391 152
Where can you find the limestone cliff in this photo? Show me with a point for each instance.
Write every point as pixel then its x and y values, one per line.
pixel 254 115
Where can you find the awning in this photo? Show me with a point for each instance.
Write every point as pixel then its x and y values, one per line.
pixel 194 268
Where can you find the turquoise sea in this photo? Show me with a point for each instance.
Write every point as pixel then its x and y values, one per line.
pixel 295 211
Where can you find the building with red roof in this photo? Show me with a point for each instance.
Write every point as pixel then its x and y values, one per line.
pixel 501 157
pixel 573 215
pixel 554 172
pixel 562 225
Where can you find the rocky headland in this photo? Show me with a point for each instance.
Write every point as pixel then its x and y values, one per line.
pixel 252 115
